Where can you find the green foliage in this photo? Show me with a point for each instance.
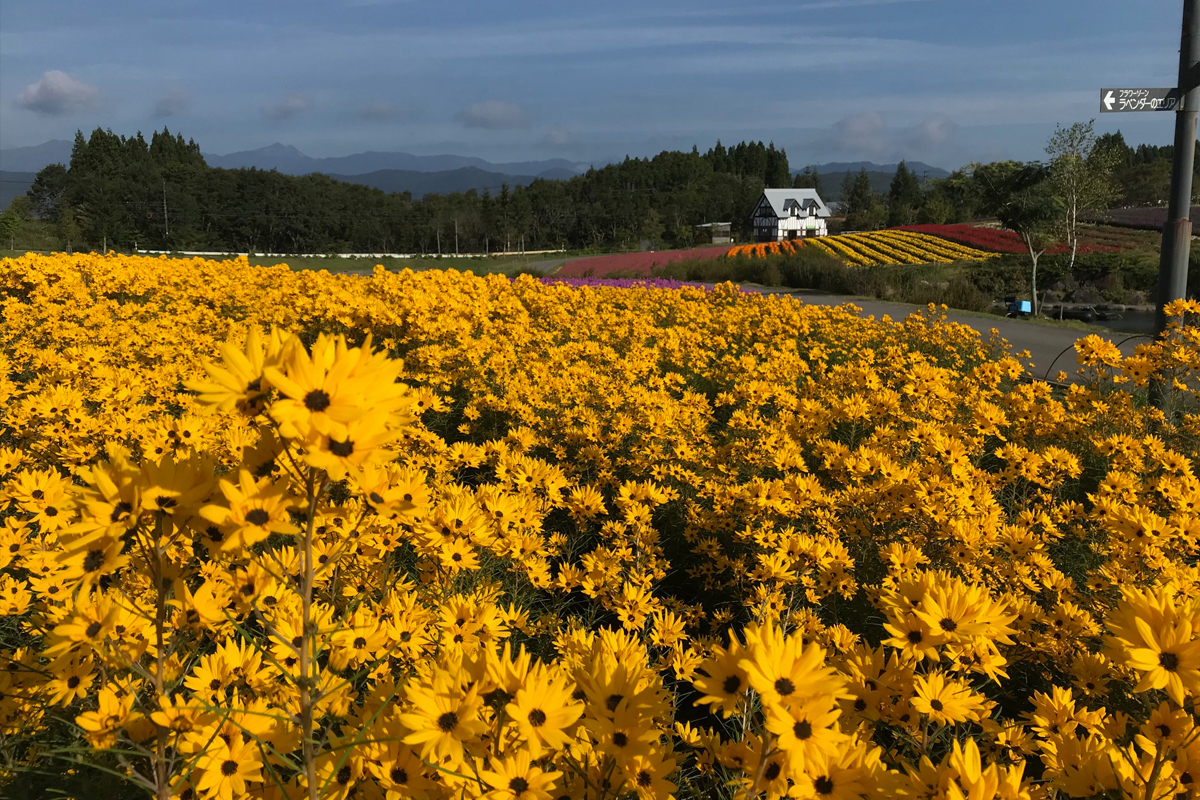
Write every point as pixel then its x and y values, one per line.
pixel 10 225
pixel 860 204
pixel 161 195
pixel 807 179
pixel 904 196
pixel 936 210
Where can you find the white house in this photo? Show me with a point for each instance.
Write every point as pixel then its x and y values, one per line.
pixel 789 214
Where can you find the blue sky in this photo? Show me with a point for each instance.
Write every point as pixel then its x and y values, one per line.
pixel 941 81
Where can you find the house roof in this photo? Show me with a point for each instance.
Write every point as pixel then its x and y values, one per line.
pixel 778 198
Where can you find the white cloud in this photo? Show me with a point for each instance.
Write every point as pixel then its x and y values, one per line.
pixel 866 135
pixel 493 115
pixel 286 108
pixel 56 92
pixel 173 101
pixel 930 133
pixel 861 133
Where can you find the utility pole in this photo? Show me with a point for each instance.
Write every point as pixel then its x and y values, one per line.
pixel 1177 231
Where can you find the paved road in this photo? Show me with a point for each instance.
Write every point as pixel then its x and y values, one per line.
pixel 1045 343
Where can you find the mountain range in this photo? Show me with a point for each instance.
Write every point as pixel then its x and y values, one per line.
pixel 403 172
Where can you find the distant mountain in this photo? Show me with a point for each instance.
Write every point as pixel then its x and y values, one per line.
pixel 291 161
pixel 13 184
pixel 288 159
pixel 919 167
pixel 32 159
pixel 443 182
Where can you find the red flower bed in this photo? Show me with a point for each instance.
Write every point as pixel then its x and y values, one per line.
pixel 998 239
pixel 638 263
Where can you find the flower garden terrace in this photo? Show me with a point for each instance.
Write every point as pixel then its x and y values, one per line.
pixel 535 540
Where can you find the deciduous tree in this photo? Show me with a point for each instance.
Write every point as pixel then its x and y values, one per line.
pixel 1081 175
pixel 1022 198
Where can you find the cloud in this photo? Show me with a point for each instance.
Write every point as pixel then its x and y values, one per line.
pixel 56 92
pixel 286 108
pixel 930 133
pixel 493 115
pixel 173 101
pixel 866 135
pixel 383 111
pixel 556 137
pixel 861 133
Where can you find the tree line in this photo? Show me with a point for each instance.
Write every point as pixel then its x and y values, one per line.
pixel 124 192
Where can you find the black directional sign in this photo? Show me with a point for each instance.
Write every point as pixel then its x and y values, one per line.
pixel 1139 100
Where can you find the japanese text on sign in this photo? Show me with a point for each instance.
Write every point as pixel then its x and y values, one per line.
pixel 1142 100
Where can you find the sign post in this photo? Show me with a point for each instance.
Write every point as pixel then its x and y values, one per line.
pixel 1114 100
pixel 1177 232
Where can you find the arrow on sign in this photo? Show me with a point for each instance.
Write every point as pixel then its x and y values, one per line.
pixel 1108 101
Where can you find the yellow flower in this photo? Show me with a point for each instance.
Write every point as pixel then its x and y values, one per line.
pixel 516 777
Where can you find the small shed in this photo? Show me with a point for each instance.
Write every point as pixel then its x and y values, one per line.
pixel 718 231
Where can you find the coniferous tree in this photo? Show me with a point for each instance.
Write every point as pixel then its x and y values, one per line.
pixel 808 178
pixel 904 196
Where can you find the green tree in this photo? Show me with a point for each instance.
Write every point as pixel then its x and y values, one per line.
pixel 808 178
pixel 904 196
pixel 860 204
pixel 1081 175
pixel 652 228
pixel 936 210
pixel 68 228
pixel 777 174
pixel 1022 198
pixel 46 193
pixel 10 226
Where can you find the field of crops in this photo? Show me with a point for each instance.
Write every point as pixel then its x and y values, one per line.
pixel 270 534
pixel 998 239
pixel 893 246
pixel 635 263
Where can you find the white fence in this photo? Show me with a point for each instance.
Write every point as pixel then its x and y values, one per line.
pixel 211 254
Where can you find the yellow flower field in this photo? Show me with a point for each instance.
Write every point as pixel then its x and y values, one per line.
pixel 278 534
pixel 873 248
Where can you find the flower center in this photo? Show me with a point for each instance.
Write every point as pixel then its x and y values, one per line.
pixel 316 401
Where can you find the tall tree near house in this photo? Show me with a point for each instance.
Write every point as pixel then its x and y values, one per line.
pixel 809 178
pixel 904 196
pixel 1081 175
pixel 1022 197
pixel 859 203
